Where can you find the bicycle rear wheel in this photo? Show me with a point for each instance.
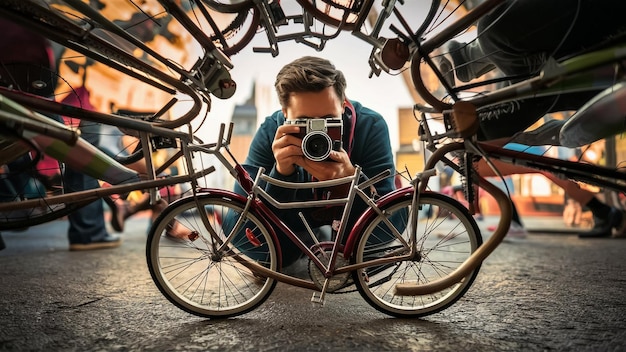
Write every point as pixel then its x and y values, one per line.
pixel 29 179
pixel 194 273
pixel 446 235
pixel 238 24
pixel 229 6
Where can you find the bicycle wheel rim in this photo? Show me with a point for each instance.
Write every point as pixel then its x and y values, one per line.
pixel 192 275
pixel 444 243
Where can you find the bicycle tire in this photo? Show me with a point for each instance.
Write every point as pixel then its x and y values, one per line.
pixel 15 220
pixel 183 269
pixel 232 7
pixel 430 15
pixel 449 230
pixel 26 175
pixel 323 16
pixel 106 48
pixel 350 24
pixel 239 32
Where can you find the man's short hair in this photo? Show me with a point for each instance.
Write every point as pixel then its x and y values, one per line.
pixel 308 74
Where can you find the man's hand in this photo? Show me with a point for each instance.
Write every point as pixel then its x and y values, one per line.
pixel 329 170
pixel 287 149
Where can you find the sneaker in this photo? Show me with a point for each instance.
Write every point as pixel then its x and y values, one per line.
pixel 546 134
pixel 467 68
pixel 603 227
pixel 109 241
pixel 447 70
pixel 516 231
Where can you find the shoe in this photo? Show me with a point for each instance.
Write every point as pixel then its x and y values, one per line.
pixel 119 209
pixel 176 230
pixel 447 70
pixel 467 69
pixel 546 134
pixel 603 227
pixel 516 231
pixel 109 241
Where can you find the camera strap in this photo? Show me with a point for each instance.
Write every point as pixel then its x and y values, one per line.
pixel 349 122
pixel 330 214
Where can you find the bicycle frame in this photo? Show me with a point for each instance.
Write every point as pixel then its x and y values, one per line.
pixel 82 28
pixel 258 199
pixel 102 167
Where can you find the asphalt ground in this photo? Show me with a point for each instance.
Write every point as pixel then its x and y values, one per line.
pixel 546 292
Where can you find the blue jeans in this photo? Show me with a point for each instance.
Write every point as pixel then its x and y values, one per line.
pixel 87 224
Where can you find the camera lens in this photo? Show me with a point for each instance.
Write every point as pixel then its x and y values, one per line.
pixel 316 146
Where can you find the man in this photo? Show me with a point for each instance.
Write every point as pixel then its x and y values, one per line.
pixel 312 88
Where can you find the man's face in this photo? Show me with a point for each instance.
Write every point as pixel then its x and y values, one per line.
pixel 323 104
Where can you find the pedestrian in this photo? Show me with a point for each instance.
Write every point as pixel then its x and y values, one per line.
pixel 29 65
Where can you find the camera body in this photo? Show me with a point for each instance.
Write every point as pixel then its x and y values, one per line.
pixel 319 137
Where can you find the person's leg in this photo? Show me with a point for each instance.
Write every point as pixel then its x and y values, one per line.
pixel 86 225
pixel 605 217
pixel 500 42
pixel 509 119
pixel 87 228
pixel 518 37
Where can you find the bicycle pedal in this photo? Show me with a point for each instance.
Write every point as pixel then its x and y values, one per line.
pixel 161 142
pixel 318 297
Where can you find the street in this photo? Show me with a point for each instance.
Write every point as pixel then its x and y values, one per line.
pixel 545 292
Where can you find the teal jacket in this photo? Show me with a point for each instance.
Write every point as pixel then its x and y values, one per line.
pixel 371 149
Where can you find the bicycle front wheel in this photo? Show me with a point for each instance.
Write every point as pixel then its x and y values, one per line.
pixel 446 235
pixel 195 271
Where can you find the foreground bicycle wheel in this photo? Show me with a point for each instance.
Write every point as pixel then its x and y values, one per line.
pixel 194 273
pixel 446 235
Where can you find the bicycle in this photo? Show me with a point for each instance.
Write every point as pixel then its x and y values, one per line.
pixel 455 107
pixel 234 262
pixel 241 278
pixel 458 115
pixel 89 38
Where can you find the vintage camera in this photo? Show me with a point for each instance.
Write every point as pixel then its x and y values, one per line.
pixel 319 137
